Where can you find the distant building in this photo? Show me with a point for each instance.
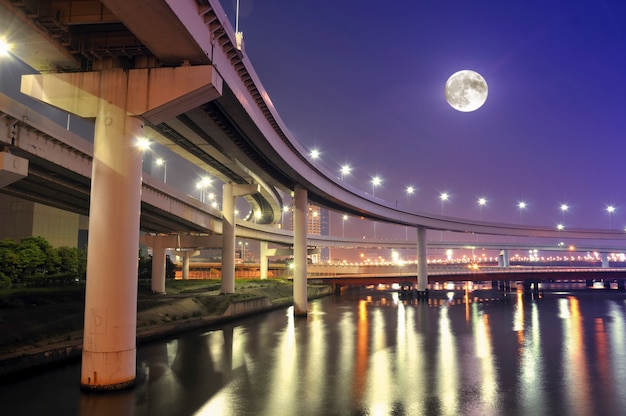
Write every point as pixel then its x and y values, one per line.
pixel 317 223
pixel 20 218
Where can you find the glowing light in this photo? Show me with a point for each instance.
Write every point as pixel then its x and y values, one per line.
pixel 143 143
pixel 5 47
pixel 345 170
pixel 315 154
pixel 376 180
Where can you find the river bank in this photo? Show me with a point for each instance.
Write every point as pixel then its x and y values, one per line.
pixel 44 326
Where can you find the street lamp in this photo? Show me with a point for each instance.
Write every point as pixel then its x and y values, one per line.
pixel 443 197
pixel 610 209
pixel 282 215
pixel 314 154
pixel 242 250
pixel 563 208
pixel 376 180
pixel 345 170
pixel 410 190
pixel 521 205
pixel 201 185
pixel 481 203
pixel 161 162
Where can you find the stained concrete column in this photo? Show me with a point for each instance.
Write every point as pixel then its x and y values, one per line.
pixel 229 193
pixel 228 243
pixel 422 264
pixel 186 257
pixel 300 306
pixel 158 266
pixel 116 98
pixel 263 266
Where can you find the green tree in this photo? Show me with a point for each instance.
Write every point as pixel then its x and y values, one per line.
pixel 9 260
pixel 37 259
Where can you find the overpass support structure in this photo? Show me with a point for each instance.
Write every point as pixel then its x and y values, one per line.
pixel 119 100
pixel 300 306
pixel 263 260
pixel 422 264
pixel 504 259
pixel 230 192
pixel 605 260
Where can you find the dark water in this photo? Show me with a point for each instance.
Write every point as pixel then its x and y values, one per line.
pixel 367 353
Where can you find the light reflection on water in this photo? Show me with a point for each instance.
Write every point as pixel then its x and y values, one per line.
pixel 371 353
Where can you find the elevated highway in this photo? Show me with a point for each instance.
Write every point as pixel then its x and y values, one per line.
pixel 173 70
pixel 235 134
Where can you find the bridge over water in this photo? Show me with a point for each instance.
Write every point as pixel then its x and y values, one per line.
pixel 191 85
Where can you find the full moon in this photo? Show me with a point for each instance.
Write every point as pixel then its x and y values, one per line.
pixel 466 90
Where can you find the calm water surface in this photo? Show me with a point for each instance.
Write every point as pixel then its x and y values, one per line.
pixel 367 353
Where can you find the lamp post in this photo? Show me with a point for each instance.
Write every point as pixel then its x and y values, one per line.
pixel 376 180
pixel 443 197
pixel 563 208
pixel 481 203
pixel 161 162
pixel 345 170
pixel 610 209
pixel 410 190
pixel 282 215
pixel 521 205
pixel 202 185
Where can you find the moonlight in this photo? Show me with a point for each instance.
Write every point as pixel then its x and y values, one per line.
pixel 466 90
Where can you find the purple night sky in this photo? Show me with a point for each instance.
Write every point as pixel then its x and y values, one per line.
pixel 363 82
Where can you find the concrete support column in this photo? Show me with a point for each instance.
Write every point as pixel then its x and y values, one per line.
pixel 116 98
pixel 158 266
pixel 605 261
pixel 228 242
pixel 109 341
pixel 186 257
pixel 503 258
pixel 263 261
pixel 300 251
pixel 422 265
pixel 229 193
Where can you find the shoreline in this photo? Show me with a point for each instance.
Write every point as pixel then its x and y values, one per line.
pixel 165 316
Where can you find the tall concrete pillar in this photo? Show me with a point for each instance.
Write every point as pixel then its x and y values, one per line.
pixel 605 260
pixel 504 259
pixel 186 257
pixel 229 193
pixel 263 266
pixel 228 242
pixel 116 98
pixel 300 306
pixel 158 266
pixel 422 264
